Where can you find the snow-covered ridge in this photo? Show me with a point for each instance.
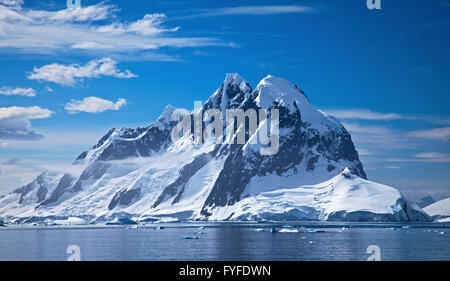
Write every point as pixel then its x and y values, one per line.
pixel 344 197
pixel 274 89
pixel 440 209
pixel 142 174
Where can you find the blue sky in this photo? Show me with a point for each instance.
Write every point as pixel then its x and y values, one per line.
pixel 67 77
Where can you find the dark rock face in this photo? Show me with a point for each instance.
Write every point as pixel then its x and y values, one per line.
pixel 426 201
pixel 153 141
pixel 64 184
pixel 124 198
pixel 100 143
pixel 39 183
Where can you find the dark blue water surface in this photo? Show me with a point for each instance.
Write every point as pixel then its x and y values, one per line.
pixel 227 241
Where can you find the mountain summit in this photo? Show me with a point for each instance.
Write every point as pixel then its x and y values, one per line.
pixel 142 174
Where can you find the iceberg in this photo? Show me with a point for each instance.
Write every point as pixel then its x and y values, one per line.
pixel 120 221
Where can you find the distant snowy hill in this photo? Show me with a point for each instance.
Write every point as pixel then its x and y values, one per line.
pixel 141 174
pixel 426 201
pixel 440 209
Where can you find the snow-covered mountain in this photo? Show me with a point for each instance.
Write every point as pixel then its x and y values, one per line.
pixel 439 210
pixel 141 173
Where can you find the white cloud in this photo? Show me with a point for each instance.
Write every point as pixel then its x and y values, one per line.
pixel 15 122
pixel 94 105
pixel 439 134
pixel 149 25
pixel 34 112
pixel 363 114
pixel 11 2
pixel 68 75
pixel 26 92
pixel 88 30
pixel 89 13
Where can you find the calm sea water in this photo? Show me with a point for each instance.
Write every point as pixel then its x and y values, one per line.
pixel 227 242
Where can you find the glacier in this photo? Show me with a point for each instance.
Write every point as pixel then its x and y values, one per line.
pixel 439 210
pixel 141 174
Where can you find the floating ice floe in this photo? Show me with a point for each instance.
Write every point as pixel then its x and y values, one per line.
pixel 286 230
pixel 189 237
pixel 315 231
pixel 444 220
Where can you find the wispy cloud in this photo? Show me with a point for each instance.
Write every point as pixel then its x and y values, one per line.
pixel 251 10
pixel 363 114
pixel 15 122
pixel 94 105
pixel 149 25
pixel 26 92
pixel 378 138
pixel 438 134
pixel 392 167
pixel 367 129
pixel 370 115
pixel 89 13
pixel 426 157
pixel 67 75
pixel 89 29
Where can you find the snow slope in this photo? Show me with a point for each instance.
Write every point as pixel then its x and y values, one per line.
pixel 344 197
pixel 440 209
